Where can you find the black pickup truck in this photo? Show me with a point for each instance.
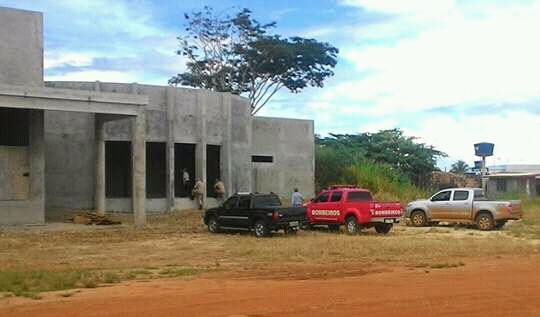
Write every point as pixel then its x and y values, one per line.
pixel 262 213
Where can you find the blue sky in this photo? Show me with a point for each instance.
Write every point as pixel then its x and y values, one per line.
pixel 452 73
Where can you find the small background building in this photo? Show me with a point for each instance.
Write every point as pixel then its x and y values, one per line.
pixel 514 180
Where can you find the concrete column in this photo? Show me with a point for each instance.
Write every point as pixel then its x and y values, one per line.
pixel 200 150
pixel 36 193
pixel 171 125
pixel 138 143
pixel 227 144
pixel 99 183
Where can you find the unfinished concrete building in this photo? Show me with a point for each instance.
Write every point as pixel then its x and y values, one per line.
pixel 123 147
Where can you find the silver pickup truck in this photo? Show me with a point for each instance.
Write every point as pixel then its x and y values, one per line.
pixel 463 205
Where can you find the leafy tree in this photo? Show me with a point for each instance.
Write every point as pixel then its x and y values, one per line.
pixel 236 54
pixel 410 161
pixel 459 167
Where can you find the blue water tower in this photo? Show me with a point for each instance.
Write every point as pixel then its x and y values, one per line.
pixel 483 149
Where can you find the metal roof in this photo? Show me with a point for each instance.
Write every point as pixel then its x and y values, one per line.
pixel 513 175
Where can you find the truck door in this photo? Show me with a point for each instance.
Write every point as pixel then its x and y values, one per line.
pixel 242 214
pixel 318 206
pixel 227 217
pixel 439 205
pixel 461 205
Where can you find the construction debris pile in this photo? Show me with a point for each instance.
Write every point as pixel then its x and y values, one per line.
pixel 92 218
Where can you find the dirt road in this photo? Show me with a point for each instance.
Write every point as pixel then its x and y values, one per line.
pixel 507 286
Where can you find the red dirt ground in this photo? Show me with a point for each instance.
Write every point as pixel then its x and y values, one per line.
pixel 507 286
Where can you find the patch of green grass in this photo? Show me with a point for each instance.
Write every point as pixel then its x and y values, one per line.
pixel 111 277
pixel 529 227
pixel 31 284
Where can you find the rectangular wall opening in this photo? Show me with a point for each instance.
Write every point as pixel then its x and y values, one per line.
pixel 14 127
pixel 14 157
pixel 184 158
pixel 156 167
pixel 118 169
pixel 213 168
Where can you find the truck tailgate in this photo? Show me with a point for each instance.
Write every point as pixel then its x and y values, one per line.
pixel 516 210
pixel 292 213
pixel 386 210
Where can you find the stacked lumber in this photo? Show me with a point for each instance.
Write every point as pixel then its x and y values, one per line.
pixel 92 218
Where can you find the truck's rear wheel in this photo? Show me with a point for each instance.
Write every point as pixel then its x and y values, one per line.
pixel 383 228
pixel 484 221
pixel 213 224
pixel 261 229
pixel 351 225
pixel 418 218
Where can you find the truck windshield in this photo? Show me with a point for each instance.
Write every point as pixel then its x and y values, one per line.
pixel 266 201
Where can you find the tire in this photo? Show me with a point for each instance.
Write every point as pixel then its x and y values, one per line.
pixel 499 224
pixel 484 221
pixel 261 229
pixel 383 228
pixel 418 218
pixel 290 231
pixel 213 224
pixel 333 228
pixel 351 225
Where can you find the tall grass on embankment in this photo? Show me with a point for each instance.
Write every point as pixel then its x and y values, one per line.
pixel 384 182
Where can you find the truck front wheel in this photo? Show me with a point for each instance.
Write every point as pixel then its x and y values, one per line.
pixel 213 224
pixel 383 228
pixel 418 218
pixel 261 229
pixel 351 225
pixel 484 221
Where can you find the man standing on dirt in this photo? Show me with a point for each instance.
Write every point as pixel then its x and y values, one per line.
pixel 296 199
pixel 198 192
pixel 219 188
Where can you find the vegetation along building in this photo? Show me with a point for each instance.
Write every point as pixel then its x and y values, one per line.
pixel 123 146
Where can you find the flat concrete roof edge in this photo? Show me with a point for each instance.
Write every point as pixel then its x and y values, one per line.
pixel 73 94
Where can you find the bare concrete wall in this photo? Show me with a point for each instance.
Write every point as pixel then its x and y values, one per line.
pixel 180 115
pixel 291 144
pixel 21 47
pixel 69 159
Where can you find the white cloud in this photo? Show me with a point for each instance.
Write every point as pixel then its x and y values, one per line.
pixel 512 132
pixel 457 61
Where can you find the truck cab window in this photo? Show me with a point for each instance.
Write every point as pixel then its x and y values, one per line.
pixel 323 197
pixel 461 195
pixel 230 203
pixel 336 196
pixel 442 196
pixel 243 202
pixel 359 196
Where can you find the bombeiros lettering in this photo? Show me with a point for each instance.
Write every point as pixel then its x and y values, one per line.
pixel 324 212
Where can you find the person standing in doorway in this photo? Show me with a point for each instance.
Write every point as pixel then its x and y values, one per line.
pixel 296 199
pixel 185 181
pixel 198 192
pixel 219 188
